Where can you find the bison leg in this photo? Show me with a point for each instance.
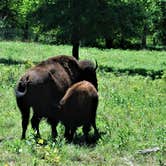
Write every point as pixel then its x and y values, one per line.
pixel 35 124
pixel 25 119
pixel 86 129
pixel 96 132
pixel 93 123
pixel 25 112
pixel 72 132
pixel 67 132
pixel 54 131
pixel 53 123
pixel 93 118
pixel 53 128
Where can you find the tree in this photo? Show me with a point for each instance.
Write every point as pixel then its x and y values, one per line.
pixel 8 17
pixel 107 22
pixel 155 21
pixel 130 18
pixel 163 21
pixel 76 19
pixel 121 20
pixel 24 9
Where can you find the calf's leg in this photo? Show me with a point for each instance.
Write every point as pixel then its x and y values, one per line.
pixel 86 129
pixel 93 117
pixel 93 123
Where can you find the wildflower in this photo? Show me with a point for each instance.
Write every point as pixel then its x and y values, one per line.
pixel 40 141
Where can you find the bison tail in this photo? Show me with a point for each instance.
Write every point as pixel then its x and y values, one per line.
pixel 21 88
pixel 19 93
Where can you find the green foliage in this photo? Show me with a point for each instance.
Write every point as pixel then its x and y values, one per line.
pixel 164 76
pixel 120 23
pixel 131 112
pixel 72 17
pixel 8 13
pixel 77 19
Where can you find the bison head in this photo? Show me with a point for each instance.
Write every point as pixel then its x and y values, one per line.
pixel 88 69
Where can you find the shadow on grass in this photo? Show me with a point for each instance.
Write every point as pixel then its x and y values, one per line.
pixel 137 71
pixel 92 140
pixel 11 61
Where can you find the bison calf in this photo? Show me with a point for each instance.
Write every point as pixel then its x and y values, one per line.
pixel 78 108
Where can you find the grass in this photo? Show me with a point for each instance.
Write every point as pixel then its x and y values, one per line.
pixel 131 113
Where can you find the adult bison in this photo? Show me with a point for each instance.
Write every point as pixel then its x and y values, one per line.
pixel 78 108
pixel 42 87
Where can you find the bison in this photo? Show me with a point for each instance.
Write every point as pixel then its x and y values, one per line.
pixel 42 87
pixel 78 108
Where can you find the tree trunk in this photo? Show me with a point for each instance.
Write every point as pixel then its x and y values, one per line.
pixel 75 42
pixel 25 32
pixel 108 43
pixel 154 41
pixel 163 22
pixel 144 36
pixel 122 43
pixel 75 50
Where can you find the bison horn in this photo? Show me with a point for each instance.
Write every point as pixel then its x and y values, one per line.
pixel 20 94
pixel 96 66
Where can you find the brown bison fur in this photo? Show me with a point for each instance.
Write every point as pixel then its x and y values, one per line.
pixel 42 87
pixel 78 108
pixel 88 71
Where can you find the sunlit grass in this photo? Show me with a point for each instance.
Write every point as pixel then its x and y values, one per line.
pixel 131 113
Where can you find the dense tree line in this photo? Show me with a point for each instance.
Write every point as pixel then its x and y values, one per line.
pixel 100 23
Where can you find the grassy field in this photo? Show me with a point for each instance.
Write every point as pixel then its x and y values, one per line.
pixel 131 113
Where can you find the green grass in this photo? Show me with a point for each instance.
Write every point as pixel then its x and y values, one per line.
pixel 131 112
